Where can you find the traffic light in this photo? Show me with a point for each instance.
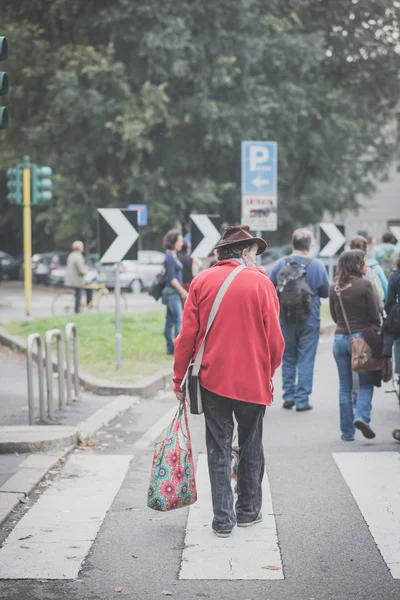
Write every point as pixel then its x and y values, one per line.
pixel 3 83
pixel 41 184
pixel 14 185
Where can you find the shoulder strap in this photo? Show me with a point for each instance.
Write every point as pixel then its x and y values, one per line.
pixel 339 295
pixel 217 302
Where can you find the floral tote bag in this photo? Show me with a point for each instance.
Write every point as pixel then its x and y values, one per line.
pixel 172 481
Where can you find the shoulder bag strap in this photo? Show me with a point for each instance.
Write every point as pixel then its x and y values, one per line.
pixel 221 293
pixel 339 295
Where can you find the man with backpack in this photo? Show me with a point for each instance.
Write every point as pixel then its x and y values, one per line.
pixel 300 283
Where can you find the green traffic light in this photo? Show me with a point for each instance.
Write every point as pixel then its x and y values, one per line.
pixel 3 117
pixel 46 196
pixel 3 84
pixel 46 184
pixel 14 185
pixel 3 48
pixel 41 184
pixel 45 172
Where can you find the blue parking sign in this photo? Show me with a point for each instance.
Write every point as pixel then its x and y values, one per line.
pixel 259 168
pixel 141 210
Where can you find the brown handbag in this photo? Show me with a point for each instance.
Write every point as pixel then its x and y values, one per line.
pixel 362 360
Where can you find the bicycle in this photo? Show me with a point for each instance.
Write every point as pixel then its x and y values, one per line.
pixel 64 301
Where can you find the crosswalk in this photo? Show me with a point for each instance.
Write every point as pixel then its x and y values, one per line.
pixel 251 553
pixel 374 481
pixel 53 539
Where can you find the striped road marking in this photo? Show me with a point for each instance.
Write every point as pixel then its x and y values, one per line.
pixel 250 553
pixel 374 481
pixel 54 537
pixel 154 434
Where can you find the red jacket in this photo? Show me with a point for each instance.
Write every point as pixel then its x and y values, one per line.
pixel 244 346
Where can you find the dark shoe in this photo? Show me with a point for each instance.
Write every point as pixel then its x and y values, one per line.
pixel 345 439
pixel 223 534
pixel 250 523
pixel 365 429
pixel 288 404
pixel 304 408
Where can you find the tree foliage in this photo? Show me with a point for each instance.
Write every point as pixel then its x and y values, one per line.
pixel 149 102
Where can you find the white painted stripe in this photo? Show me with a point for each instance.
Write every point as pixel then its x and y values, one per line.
pixel 155 432
pixel 242 556
pixel 373 479
pixel 54 537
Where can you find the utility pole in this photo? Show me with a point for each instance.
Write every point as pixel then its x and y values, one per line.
pixel 28 184
pixel 27 230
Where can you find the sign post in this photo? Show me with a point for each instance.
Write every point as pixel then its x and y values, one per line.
pixel 205 234
pixel 260 186
pixel 118 337
pixel 117 236
pixel 27 229
pixel 331 242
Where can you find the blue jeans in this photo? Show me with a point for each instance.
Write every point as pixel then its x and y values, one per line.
pixel 218 413
pixel 362 412
pixel 173 321
pixel 301 342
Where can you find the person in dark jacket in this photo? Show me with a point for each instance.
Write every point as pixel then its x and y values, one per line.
pixel 174 293
pixel 191 266
pixel 361 308
pixel 393 297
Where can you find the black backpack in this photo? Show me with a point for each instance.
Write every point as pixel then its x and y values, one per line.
pixel 294 294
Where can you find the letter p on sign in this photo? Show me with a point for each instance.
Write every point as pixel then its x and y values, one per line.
pixel 258 155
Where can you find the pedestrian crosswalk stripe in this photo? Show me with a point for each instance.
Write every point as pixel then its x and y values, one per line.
pixel 54 537
pixel 155 432
pixel 373 479
pixel 250 553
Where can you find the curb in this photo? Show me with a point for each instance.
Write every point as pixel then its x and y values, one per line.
pixel 145 388
pixel 35 438
pixel 35 467
pixel 45 438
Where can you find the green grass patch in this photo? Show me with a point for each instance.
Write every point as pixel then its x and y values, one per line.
pixel 143 344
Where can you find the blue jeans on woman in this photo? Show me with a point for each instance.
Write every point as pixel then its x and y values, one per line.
pixel 173 321
pixel 362 412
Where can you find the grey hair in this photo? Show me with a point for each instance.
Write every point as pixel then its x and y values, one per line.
pixel 234 251
pixel 302 239
pixel 77 245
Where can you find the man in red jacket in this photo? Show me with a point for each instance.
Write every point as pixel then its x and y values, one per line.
pixel 243 349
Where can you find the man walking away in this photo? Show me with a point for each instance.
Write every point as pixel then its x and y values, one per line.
pixel 243 349
pixel 76 271
pixel 374 273
pixel 300 283
pixel 386 253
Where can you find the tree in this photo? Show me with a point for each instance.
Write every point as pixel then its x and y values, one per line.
pixel 149 102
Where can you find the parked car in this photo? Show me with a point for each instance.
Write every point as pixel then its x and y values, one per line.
pixel 9 266
pixel 43 263
pixel 58 274
pixel 136 275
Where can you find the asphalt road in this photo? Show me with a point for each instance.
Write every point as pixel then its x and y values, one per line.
pixel 328 551
pixel 12 301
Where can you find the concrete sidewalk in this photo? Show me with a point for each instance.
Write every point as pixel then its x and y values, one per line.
pixel 21 471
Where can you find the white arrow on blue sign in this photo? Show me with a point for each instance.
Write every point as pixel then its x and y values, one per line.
pixel 259 168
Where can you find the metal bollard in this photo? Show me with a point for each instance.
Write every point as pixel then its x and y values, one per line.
pixel 49 371
pixel 70 330
pixel 35 337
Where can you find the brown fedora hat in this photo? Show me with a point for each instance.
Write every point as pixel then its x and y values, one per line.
pixel 233 236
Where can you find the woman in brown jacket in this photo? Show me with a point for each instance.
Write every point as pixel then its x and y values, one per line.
pixel 361 307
